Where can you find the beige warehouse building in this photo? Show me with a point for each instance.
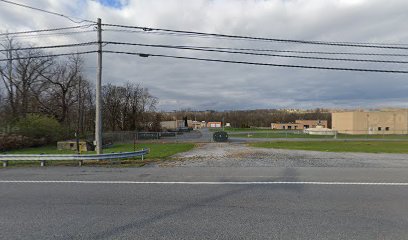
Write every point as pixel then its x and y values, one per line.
pixel 380 122
pixel 300 124
pixel 175 124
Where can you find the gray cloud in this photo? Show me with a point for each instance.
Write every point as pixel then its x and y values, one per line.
pixel 203 85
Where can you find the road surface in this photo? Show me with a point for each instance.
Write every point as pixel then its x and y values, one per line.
pixel 203 203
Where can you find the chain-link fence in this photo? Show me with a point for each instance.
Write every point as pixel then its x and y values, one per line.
pixel 204 135
pixel 135 137
pixel 325 134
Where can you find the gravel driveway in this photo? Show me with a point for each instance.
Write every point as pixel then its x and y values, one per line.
pixel 241 155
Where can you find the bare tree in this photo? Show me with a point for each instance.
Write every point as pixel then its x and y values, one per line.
pixel 59 91
pixel 57 87
pixel 20 76
pixel 127 107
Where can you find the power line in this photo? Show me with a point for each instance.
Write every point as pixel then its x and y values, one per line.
pixel 49 34
pixel 340 44
pixel 309 52
pixel 268 50
pixel 50 47
pixel 147 31
pixel 259 63
pixel 46 56
pixel 257 54
pixel 49 12
pixel 159 33
pixel 46 30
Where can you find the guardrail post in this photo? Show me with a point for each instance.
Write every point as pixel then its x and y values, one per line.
pixel 142 155
pixel 5 163
pixel 80 163
pixel 42 163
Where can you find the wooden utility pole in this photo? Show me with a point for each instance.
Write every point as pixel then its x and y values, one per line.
pixel 98 110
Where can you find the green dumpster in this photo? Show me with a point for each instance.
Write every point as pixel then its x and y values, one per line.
pixel 220 136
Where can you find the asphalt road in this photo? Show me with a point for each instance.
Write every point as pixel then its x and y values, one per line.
pixel 203 203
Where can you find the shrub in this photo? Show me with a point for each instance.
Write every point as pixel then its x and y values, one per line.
pixel 13 141
pixel 37 126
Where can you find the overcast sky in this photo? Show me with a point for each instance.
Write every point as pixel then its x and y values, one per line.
pixel 198 85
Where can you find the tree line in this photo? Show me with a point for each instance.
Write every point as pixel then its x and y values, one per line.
pixel 250 118
pixel 57 88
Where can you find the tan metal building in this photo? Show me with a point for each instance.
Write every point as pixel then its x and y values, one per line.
pixel 214 124
pixel 300 124
pixel 380 122
pixel 198 125
pixel 172 125
pixel 175 124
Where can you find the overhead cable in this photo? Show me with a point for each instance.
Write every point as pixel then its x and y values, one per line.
pixel 47 56
pixel 49 34
pixel 330 43
pixel 49 12
pixel 309 52
pixel 49 47
pixel 257 54
pixel 271 50
pixel 259 63
pixel 46 30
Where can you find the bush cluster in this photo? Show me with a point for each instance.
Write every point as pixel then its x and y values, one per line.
pixel 39 127
pixel 31 131
pixel 14 141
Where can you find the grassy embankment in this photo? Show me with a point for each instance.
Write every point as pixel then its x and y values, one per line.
pixel 338 146
pixel 158 151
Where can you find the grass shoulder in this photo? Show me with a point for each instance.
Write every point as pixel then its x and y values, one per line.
pixel 339 146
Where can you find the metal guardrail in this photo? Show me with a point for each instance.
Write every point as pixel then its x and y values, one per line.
pixel 5 158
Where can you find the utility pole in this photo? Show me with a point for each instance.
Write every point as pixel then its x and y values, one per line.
pixel 79 116
pixel 98 112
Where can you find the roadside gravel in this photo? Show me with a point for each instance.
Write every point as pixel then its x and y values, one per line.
pixel 241 155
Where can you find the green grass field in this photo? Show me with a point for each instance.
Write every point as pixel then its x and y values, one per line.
pixel 282 134
pixel 339 146
pixel 276 135
pixel 158 151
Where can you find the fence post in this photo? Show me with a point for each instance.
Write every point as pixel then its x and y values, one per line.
pixel 134 142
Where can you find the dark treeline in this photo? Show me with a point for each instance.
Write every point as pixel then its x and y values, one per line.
pixel 55 89
pixel 129 107
pixel 251 118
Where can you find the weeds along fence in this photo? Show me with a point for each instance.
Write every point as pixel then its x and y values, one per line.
pixel 132 136
pixel 119 136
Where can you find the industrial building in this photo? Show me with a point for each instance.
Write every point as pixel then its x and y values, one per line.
pixel 198 124
pixel 300 124
pixel 367 122
pixel 214 124
pixel 172 125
